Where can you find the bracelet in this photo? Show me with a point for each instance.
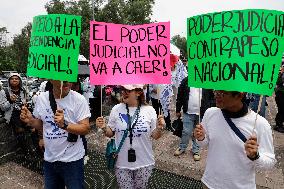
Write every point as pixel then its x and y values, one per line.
pixel 255 158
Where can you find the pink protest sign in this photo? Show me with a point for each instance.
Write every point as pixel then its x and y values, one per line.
pixel 124 54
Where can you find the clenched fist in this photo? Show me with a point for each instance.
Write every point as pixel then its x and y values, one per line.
pixel 199 132
pixel 251 147
pixel 100 122
pixel 26 116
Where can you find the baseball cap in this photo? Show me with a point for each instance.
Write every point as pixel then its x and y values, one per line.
pixel 132 87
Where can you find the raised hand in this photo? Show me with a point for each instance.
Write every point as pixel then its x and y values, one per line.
pixel 26 116
pixel 59 118
pixel 251 147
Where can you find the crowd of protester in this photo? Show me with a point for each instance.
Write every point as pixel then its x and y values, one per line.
pixel 61 113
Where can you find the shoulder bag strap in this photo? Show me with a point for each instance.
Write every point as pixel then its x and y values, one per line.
pixel 234 128
pixel 122 141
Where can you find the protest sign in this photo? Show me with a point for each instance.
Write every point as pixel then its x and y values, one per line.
pixel 237 50
pixel 54 47
pixel 124 54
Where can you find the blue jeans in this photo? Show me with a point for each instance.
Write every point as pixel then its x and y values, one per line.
pixel 58 174
pixel 254 104
pixel 189 123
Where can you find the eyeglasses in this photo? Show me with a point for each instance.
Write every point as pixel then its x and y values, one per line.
pixel 221 93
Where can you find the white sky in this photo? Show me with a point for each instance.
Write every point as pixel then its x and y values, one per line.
pixel 177 11
pixel 15 14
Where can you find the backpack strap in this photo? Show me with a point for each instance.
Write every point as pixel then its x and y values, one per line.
pixel 52 102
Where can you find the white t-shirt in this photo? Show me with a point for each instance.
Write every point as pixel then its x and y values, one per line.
pixel 42 86
pixel 142 143
pixel 193 105
pixel 228 166
pixel 57 148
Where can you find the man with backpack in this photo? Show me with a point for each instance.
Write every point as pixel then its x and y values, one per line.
pixel 187 101
pixel 63 115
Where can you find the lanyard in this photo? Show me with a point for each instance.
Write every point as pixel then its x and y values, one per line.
pixel 130 128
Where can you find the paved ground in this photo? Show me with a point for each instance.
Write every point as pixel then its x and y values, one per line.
pixel 15 176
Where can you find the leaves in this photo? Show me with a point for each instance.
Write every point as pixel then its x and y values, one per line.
pixel 180 42
pixel 15 56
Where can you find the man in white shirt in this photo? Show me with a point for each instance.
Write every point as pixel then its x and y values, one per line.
pixel 63 115
pixel 231 161
pixel 187 99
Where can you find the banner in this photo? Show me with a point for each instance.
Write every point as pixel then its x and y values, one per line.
pixel 237 50
pixel 54 47
pixel 124 54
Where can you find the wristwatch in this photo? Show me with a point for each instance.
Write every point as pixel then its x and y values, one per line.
pixel 255 158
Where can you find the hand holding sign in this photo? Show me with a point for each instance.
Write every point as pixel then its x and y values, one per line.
pixel 199 132
pixel 161 122
pixel 26 115
pixel 251 147
pixel 59 118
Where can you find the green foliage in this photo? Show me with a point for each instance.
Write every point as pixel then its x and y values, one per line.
pixel 6 57
pixel 180 42
pixel 20 48
pixel 114 11
pixel 6 52
pixel 15 56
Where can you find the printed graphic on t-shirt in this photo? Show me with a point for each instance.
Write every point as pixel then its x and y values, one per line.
pixel 139 128
pixel 54 132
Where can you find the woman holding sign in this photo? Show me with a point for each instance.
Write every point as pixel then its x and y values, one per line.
pixel 135 160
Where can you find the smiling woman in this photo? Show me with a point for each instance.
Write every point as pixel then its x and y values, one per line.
pixel 134 154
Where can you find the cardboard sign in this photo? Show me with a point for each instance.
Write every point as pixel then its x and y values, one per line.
pixel 54 47
pixel 124 54
pixel 235 50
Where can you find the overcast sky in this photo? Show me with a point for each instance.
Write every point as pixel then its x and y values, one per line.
pixel 15 14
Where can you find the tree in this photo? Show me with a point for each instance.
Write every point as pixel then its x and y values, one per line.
pixel 20 48
pixel 115 11
pixel 6 58
pixel 180 42
pixel 15 56
pixel 3 36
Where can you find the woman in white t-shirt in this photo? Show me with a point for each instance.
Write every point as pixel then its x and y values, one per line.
pixel 136 159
